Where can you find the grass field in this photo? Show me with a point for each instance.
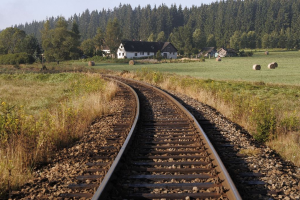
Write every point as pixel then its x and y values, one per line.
pixel 234 68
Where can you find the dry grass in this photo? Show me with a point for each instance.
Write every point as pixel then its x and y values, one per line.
pixel 288 146
pixel 47 113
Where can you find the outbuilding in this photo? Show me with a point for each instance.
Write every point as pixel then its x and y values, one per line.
pixel 224 52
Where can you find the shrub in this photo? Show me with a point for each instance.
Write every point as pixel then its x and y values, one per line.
pixel 245 54
pixel 289 123
pixel 17 58
pixel 158 56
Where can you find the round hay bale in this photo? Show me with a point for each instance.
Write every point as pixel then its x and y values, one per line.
pixel 91 63
pixel 256 67
pixel 218 59
pixel 266 53
pixel 275 64
pixel 131 62
pixel 271 66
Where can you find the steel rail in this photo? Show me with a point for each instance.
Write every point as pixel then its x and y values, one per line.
pixel 104 186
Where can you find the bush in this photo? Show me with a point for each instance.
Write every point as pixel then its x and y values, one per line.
pixel 17 58
pixel 245 54
pixel 158 56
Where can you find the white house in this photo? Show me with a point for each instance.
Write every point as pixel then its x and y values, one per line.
pixel 138 49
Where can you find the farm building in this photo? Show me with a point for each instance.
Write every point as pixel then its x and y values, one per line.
pixel 106 50
pixel 208 52
pixel 138 49
pixel 223 52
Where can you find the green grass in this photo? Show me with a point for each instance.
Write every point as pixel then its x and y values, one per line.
pixel 234 68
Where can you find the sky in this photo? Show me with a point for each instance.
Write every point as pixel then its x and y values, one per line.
pixel 14 12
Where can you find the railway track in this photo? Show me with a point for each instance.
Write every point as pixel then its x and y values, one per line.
pixel 167 159
pixel 170 156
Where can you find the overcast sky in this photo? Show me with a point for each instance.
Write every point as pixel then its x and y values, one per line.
pixel 21 11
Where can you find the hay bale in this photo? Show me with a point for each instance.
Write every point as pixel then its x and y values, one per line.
pixel 266 53
pixel 275 64
pixel 131 62
pixel 218 59
pixel 272 66
pixel 91 63
pixel 256 67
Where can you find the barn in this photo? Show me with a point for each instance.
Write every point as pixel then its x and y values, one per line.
pixel 140 49
pixel 224 52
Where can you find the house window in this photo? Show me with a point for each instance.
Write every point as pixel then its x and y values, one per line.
pixel 135 54
pixel 122 54
pixel 142 53
pixel 148 53
pixel 119 54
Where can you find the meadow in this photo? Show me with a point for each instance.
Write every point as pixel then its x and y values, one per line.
pixel 230 68
pixel 41 113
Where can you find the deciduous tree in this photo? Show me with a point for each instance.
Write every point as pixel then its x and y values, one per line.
pixel 60 43
pixel 11 40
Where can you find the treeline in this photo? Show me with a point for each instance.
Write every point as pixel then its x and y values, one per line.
pixel 232 23
pixel 219 20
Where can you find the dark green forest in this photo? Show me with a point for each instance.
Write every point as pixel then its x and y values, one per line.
pixel 232 23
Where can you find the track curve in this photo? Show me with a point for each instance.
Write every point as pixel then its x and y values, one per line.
pixel 170 156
